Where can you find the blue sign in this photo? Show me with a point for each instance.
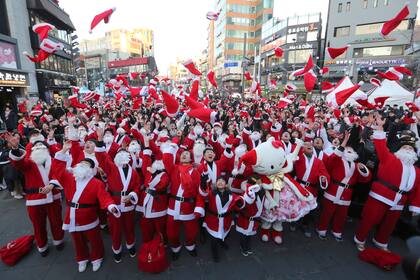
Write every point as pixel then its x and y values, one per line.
pixel 231 64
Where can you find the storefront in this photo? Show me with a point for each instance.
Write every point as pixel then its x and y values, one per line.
pixel 53 86
pixel 13 85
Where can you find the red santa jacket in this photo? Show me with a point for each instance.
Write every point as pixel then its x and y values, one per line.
pixel 119 184
pixel 344 177
pixel 218 167
pixel 309 171
pixel 153 201
pixel 393 172
pixel 218 148
pixel 248 141
pixel 247 222
pixel 112 149
pixel 36 177
pixel 182 198
pixel 84 198
pixel 218 218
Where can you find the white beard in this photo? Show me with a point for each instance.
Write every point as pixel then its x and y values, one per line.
pixel 134 148
pixel 239 151
pixel 255 136
pixel 81 172
pixel 198 130
pixel 198 150
pixel 108 139
pixel 40 137
pixel 157 166
pixel 408 157
pixel 40 155
pixel 350 155
pixel 122 158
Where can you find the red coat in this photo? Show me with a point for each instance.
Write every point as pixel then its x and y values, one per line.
pixel 181 210
pixel 218 226
pixel 247 222
pixel 217 168
pixel 153 202
pixel 310 171
pixel 346 173
pixel 392 171
pixel 91 192
pixel 36 177
pixel 118 182
pixel 248 141
pixel 112 149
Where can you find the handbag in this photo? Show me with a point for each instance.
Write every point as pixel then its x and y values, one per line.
pixel 152 256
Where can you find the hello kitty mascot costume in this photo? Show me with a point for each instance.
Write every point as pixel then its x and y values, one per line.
pixel 285 199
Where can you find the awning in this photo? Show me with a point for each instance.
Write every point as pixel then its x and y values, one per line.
pixel 52 12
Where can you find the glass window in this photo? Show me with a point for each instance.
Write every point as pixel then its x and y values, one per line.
pixel 348 7
pixel 375 27
pixel 379 51
pixel 340 7
pixel 342 31
pixel 375 3
pixel 365 4
pixel 299 56
pixel 312 36
pixel 386 2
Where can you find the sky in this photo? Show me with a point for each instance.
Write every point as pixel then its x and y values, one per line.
pixel 180 26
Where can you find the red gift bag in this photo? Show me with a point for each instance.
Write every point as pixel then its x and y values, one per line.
pixel 383 259
pixel 13 251
pixel 152 256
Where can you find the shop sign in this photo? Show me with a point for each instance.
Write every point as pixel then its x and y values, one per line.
pixel 372 40
pixel 13 79
pixel 381 62
pixel 301 46
pixel 268 47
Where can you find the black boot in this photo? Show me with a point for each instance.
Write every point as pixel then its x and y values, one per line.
pixel 175 255
pixel 117 257
pixel 132 251
pixel 45 253
pixel 193 253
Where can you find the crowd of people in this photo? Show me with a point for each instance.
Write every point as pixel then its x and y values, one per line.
pixel 208 173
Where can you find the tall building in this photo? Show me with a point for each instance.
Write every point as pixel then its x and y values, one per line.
pixel 357 23
pixel 238 19
pixel 119 51
pixel 19 77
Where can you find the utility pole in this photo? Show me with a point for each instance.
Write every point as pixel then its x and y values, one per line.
pixel 243 66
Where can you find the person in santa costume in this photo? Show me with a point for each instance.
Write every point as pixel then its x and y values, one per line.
pixel 41 202
pixel 185 181
pixel 218 214
pixel 397 184
pixel 248 222
pixel 345 173
pixel 84 195
pixel 110 146
pixel 311 173
pixel 123 186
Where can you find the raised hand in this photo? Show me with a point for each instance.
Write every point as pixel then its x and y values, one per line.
pixel 66 147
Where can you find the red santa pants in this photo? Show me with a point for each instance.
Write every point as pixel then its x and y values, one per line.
pixel 119 226
pixel 338 214
pixel 81 240
pixel 150 226
pixel 173 230
pixel 38 215
pixel 375 213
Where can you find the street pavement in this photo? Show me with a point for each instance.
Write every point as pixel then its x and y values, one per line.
pixel 298 258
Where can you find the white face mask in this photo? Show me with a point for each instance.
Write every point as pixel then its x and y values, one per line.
pixel 108 139
pixel 350 155
pixel 134 147
pixel 122 158
pixel 81 171
pixel 198 130
pixel 408 157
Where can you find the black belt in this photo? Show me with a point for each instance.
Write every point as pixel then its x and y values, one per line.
pixel 123 193
pixel 80 205
pixel 155 192
pixel 305 183
pixel 346 186
pixel 391 187
pixel 33 191
pixel 182 199
pixel 218 215
pixel 249 218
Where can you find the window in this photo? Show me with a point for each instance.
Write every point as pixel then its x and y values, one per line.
pixel 379 51
pixel 340 7
pixel 4 20
pixel 365 4
pixel 375 3
pixel 375 27
pixel 342 31
pixel 386 2
pixel 348 7
pixel 299 56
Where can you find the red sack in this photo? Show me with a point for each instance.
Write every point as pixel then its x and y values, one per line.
pixel 13 251
pixel 383 259
pixel 152 256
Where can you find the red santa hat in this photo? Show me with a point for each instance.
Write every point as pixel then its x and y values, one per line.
pixel 47 48
pixel 336 52
pixel 212 15
pixel 380 101
pixel 413 108
pixel 13 251
pixel 278 52
pixel 75 103
pixel 324 70
pixel 133 75
pixel 36 110
pixel 395 73
pixel 393 23
pixel 189 64
pixel 211 78
pixel 135 91
pixel 290 87
pixel 376 82
pixel 104 16
pixel 340 97
pixel 89 96
pixel 194 89
pixel 381 258
pixel 284 102
pixel 247 76
pixel 327 87
pixel 172 105
pixel 309 79
pixel 122 80
pixel 310 112
pixel 153 93
pixel 193 104
pixel 309 65
pixel 203 114
pixel 365 103
pixel 42 30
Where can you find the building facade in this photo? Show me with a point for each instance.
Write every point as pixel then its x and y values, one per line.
pixel 299 36
pixel 357 23
pixel 236 34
